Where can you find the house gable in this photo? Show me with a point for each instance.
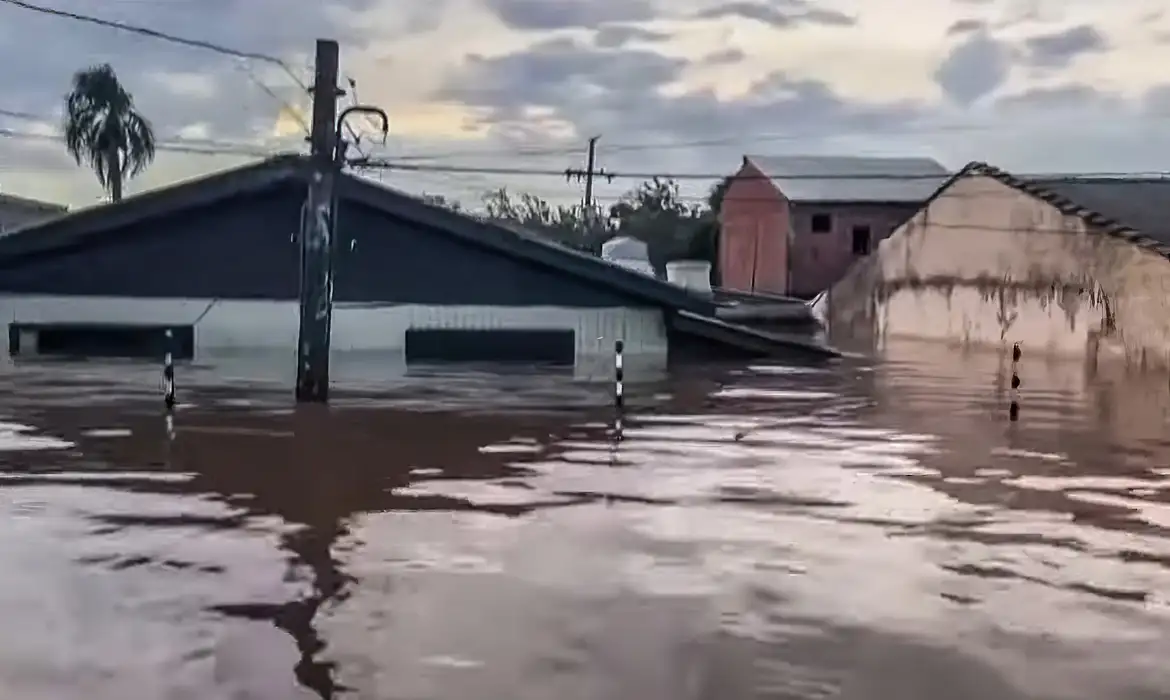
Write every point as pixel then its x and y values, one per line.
pixel 233 235
pixel 524 264
pixel 993 260
pixel 390 258
pixel 243 247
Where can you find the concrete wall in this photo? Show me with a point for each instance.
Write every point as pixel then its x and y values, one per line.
pixel 818 260
pixel 985 265
pixel 753 235
pixel 228 328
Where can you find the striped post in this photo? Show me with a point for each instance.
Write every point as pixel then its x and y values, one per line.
pixel 619 389
pixel 1014 406
pixel 169 371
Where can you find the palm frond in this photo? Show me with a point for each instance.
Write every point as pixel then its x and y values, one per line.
pixel 103 129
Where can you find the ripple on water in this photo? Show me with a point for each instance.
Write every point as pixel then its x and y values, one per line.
pixel 775 531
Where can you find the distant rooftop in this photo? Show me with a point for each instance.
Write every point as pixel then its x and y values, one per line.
pixel 827 178
pixel 1141 204
pixel 35 204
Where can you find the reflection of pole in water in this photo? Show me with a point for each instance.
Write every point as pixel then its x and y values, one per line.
pixel 619 399
pixel 1014 406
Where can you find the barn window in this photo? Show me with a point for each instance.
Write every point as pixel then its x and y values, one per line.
pixel 822 223
pixel 97 340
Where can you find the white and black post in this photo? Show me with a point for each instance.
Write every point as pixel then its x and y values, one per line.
pixel 1014 406
pixel 619 389
pixel 169 371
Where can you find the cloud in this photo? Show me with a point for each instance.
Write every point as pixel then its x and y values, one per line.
pixel 966 26
pixel 1059 49
pixel 1070 96
pixel 617 36
pixel 791 13
pixel 537 15
pixel 683 86
pixel 182 90
pixel 724 57
pixel 974 68
pixel 642 92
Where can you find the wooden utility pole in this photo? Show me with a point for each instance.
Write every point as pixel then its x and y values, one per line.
pixel 317 233
pixel 589 165
pixel 588 175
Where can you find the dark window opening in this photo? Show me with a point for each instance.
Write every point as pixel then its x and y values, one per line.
pixel 861 240
pixel 822 223
pixel 75 340
pixel 532 347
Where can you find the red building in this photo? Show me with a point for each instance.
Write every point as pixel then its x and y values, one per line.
pixel 794 225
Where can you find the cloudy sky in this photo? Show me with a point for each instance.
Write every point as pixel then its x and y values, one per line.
pixel 671 86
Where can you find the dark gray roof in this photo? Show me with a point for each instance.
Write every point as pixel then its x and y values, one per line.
pixel 1142 204
pixel 109 221
pixel 1124 208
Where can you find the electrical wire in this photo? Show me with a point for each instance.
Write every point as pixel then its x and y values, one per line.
pixel 193 146
pixel 175 39
pixel 746 142
pixel 288 108
pixel 155 34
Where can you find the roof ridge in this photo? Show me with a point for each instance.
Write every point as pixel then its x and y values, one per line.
pixel 1109 226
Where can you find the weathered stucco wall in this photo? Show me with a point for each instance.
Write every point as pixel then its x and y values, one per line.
pixel 987 265
pixel 754 235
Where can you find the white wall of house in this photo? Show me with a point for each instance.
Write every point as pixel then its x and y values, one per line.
pixel 229 328
pixel 985 265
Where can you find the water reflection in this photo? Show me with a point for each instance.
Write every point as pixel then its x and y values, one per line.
pixel 853 531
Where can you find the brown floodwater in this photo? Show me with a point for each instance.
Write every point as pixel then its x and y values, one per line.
pixel 866 530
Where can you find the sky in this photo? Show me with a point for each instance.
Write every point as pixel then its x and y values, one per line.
pixel 669 86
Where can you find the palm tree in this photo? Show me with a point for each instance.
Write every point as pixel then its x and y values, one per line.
pixel 103 128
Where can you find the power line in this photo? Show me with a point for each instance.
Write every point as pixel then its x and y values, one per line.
pixel 193 146
pixel 568 173
pixel 747 143
pixel 288 108
pixel 43 119
pixel 162 36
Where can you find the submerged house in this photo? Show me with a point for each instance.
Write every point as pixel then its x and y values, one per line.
pixel 1069 267
pixel 794 224
pixel 217 261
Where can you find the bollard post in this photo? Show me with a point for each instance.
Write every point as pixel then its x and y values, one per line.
pixel 619 399
pixel 169 371
pixel 1014 406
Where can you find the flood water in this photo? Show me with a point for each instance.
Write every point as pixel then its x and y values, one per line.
pixel 868 530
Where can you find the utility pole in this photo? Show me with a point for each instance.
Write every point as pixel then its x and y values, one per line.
pixel 317 233
pixel 588 175
pixel 589 164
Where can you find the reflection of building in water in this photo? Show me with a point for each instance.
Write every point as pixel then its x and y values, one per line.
pixel 1076 427
pixel 314 469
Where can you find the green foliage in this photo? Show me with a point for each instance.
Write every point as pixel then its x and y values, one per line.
pixel 104 130
pixel 571 226
pixel 654 212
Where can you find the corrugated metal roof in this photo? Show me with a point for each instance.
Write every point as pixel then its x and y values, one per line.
pixel 1142 204
pixel 882 179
